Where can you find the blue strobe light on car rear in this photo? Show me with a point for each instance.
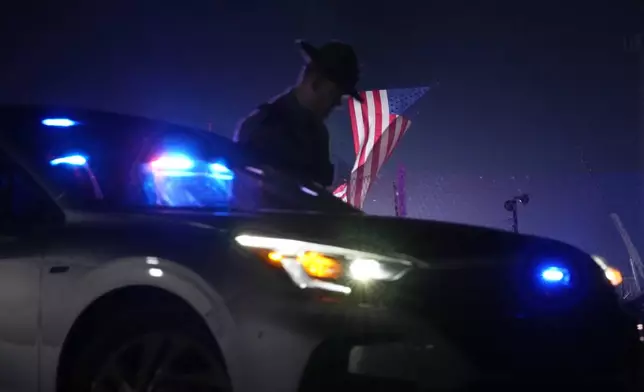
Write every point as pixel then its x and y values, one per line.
pixel 553 275
pixel 59 122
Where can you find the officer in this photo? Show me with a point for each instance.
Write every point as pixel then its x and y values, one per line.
pixel 289 133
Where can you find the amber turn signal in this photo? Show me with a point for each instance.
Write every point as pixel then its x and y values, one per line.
pixel 614 276
pixel 317 265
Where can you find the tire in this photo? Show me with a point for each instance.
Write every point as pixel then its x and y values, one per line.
pixel 148 350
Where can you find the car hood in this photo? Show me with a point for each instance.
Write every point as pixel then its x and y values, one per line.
pixel 420 239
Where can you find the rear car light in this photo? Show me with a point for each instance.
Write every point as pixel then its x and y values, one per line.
pixel 327 267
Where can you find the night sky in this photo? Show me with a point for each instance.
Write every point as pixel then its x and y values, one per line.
pixel 523 92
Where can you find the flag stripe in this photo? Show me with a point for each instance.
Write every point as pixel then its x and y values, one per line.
pixel 354 125
pixel 367 109
pixel 385 121
pixel 341 192
pixel 401 125
pixel 366 171
pixel 369 120
pixel 359 131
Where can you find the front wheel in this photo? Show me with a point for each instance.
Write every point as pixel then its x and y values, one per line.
pixel 151 353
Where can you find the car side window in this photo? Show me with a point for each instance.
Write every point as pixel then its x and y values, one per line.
pixel 22 201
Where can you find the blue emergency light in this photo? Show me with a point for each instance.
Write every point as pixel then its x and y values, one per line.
pixel 555 275
pixel 76 160
pixel 59 122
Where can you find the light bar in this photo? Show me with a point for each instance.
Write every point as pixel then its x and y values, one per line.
pixel 172 162
pixel 220 171
pixel 180 165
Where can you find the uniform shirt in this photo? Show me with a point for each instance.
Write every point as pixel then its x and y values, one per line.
pixel 288 137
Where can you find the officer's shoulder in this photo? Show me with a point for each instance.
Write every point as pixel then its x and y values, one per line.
pixel 258 119
pixel 266 114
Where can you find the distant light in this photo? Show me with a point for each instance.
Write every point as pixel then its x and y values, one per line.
pixel 77 160
pixel 172 162
pixel 555 275
pixel 59 122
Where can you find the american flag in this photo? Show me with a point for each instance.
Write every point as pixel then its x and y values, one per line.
pixel 378 126
pixel 341 192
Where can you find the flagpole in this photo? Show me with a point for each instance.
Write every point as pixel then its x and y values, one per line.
pixel 396 210
pixel 401 200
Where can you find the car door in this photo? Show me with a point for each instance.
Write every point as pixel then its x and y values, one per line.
pixel 25 212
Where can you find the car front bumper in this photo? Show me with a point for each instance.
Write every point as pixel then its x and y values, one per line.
pixel 309 341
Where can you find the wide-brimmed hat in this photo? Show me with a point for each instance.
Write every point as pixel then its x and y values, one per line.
pixel 337 61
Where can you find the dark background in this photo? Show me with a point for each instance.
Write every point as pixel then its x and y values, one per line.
pixel 521 91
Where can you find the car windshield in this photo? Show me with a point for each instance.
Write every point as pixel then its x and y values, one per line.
pixel 130 162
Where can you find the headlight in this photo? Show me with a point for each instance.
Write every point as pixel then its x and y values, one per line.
pixel 313 265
